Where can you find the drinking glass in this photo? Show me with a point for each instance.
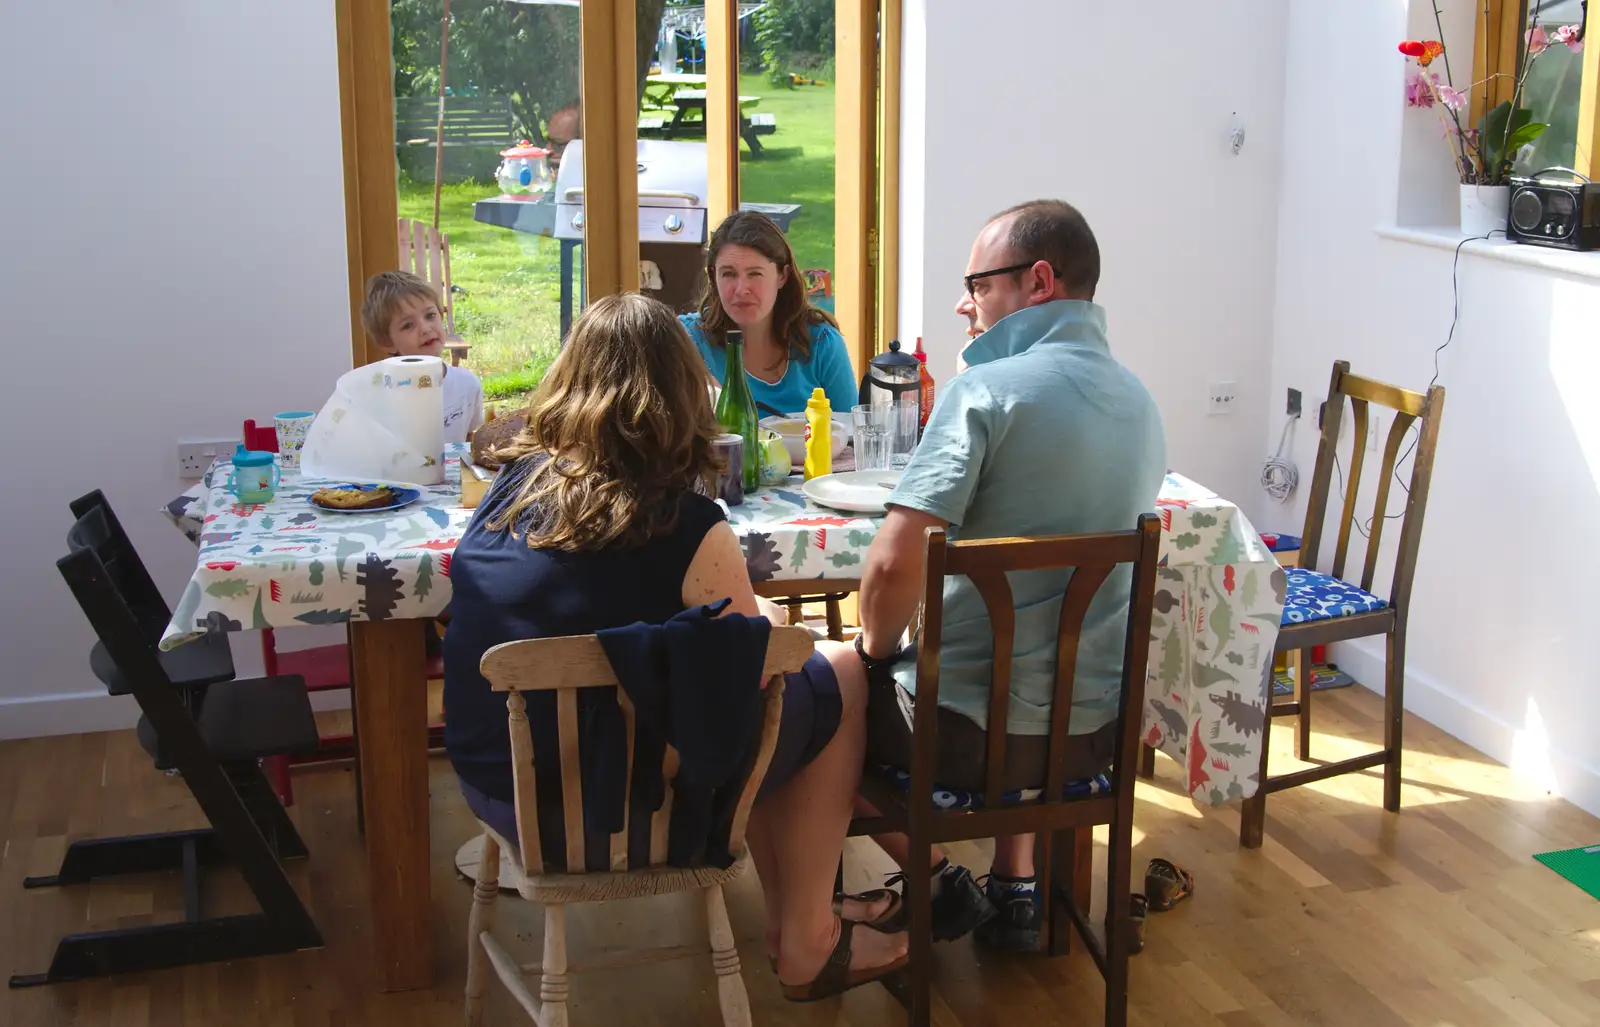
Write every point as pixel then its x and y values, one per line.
pixel 872 428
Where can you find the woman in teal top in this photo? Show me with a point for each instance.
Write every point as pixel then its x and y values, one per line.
pixel 790 347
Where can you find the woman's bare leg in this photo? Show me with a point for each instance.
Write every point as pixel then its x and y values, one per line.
pixel 806 821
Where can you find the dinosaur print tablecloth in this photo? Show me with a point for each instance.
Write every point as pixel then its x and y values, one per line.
pixel 1218 599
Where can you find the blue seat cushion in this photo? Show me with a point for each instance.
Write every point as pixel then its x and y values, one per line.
pixel 958 798
pixel 1313 596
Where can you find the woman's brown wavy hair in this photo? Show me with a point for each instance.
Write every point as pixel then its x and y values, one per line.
pixel 792 314
pixel 620 428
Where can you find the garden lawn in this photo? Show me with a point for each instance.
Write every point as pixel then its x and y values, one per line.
pixel 509 312
pixel 797 165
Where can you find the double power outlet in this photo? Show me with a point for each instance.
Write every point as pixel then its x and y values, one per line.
pixel 195 458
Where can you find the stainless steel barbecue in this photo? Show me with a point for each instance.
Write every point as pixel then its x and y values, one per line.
pixel 672 216
pixel 672 192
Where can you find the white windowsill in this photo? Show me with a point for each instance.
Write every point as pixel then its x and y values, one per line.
pixel 1449 237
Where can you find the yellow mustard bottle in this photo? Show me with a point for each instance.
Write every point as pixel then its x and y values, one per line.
pixel 819 435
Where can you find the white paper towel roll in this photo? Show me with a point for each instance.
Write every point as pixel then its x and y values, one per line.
pixel 385 421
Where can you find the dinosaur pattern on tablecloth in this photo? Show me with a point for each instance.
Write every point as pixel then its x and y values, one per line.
pixel 1219 594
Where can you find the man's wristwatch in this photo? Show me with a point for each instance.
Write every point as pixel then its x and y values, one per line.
pixel 872 663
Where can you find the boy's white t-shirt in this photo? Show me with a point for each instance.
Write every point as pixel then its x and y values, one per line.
pixel 463 403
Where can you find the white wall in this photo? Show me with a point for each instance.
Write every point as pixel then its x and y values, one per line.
pixel 1127 117
pixel 1501 653
pixel 174 263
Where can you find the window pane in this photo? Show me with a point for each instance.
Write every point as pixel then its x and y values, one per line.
pixel 513 213
pixel 786 82
pixel 1551 88
pixel 512 78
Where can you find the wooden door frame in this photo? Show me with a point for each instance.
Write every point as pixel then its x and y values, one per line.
pixel 366 108
pixel 855 177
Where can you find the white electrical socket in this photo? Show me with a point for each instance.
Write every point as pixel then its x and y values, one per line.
pixel 195 458
pixel 1222 395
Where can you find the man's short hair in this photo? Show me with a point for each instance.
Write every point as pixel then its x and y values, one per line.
pixel 1055 232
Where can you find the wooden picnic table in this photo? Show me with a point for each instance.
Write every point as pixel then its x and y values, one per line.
pixel 751 126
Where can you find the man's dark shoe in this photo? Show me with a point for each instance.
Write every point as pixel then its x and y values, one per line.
pixel 1018 917
pixel 958 908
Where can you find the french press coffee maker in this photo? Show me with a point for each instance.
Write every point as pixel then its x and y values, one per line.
pixel 892 386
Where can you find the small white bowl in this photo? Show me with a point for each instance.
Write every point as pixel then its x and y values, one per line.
pixel 793 430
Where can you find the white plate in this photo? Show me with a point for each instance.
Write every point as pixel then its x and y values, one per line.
pixel 856 491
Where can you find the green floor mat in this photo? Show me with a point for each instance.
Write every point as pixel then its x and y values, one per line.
pixel 1581 866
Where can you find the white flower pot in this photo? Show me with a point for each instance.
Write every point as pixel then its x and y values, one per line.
pixel 1483 209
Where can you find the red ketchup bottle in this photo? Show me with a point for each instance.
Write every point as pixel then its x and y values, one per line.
pixel 927 385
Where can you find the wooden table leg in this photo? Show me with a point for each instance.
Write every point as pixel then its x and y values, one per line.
pixel 392 711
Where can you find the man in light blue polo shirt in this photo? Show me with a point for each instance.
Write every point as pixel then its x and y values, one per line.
pixel 1044 433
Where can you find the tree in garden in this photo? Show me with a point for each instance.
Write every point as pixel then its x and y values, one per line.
pixel 529 52
pixel 795 35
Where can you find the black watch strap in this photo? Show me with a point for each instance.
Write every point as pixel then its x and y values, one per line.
pixel 871 662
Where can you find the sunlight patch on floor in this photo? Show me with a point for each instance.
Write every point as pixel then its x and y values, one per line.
pixel 1167 801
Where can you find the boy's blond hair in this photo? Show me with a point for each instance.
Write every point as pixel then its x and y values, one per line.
pixel 384 294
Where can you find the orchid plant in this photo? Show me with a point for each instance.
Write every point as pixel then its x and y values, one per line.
pixel 1483 154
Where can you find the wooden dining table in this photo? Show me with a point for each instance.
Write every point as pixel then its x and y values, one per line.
pixel 386 576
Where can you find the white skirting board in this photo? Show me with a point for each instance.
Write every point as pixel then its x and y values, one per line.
pixel 1569 776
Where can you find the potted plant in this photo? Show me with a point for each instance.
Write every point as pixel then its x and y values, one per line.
pixel 1485 153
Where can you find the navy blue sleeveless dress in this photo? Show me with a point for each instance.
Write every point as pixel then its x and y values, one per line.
pixel 503 591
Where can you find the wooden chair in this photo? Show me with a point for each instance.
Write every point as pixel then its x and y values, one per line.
pixel 1324 608
pixel 1062 821
pixel 425 252
pixel 566 665
pixel 217 752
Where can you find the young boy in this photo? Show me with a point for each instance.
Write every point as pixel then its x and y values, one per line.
pixel 402 314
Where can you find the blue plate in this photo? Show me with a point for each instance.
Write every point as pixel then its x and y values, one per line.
pixel 403 496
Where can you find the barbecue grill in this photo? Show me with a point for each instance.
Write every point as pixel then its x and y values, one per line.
pixel 672 216
pixel 672 220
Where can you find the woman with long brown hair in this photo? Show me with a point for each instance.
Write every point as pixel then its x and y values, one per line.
pixel 790 347
pixel 596 521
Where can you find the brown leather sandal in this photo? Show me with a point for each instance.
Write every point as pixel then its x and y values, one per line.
pixel 836 977
pixel 887 922
pixel 884 923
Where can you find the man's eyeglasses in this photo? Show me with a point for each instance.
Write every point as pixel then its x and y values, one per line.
pixel 1012 269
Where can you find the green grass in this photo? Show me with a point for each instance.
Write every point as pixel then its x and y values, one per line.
pixel 510 312
pixel 797 166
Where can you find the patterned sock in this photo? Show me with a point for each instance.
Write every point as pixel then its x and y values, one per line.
pixel 1019 885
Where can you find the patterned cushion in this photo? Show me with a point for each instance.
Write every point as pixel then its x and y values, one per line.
pixel 1313 595
pixel 956 798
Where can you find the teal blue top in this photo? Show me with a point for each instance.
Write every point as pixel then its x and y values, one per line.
pixel 829 368
pixel 1044 434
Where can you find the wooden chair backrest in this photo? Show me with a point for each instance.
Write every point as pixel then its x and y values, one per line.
pixel 986 562
pixel 566 665
pixel 1410 408
pixel 425 252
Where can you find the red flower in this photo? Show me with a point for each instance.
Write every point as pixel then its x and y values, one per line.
pixel 1424 52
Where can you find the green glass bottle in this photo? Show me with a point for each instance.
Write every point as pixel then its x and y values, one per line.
pixel 736 410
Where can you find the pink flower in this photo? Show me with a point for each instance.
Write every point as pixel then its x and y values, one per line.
pixel 1417 92
pixel 1451 98
pixel 1537 41
pixel 1571 35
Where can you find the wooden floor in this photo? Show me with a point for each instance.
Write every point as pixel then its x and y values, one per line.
pixel 1438 916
